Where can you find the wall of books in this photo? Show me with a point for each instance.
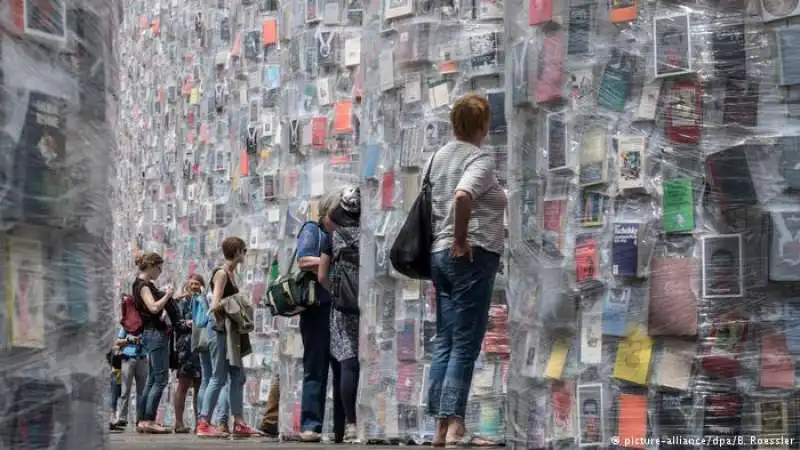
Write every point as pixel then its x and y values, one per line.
pixel 56 146
pixel 418 57
pixel 238 117
pixel 200 147
pixel 321 94
pixel 653 221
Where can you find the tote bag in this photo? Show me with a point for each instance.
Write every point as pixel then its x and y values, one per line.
pixel 411 252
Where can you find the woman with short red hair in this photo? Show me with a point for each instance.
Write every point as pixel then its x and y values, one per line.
pixel 468 207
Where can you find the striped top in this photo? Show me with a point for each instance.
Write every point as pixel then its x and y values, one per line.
pixel 461 166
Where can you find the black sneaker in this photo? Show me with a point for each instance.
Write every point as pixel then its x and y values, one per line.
pixel 269 430
pixel 115 427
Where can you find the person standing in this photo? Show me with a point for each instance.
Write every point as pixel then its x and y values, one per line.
pixel 468 207
pixel 339 265
pixel 200 345
pixel 115 364
pixel 157 315
pixel 315 330
pixel 231 320
pixel 134 366
pixel 186 362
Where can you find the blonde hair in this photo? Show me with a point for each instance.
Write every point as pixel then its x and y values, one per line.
pixel 328 203
pixel 469 116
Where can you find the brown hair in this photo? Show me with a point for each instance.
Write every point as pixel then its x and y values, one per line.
pixel 147 260
pixel 231 246
pixel 469 116
pixel 328 203
pixel 197 277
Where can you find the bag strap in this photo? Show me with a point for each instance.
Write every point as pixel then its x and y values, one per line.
pixel 427 179
pixel 294 254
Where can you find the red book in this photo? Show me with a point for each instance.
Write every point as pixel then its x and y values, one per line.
pixel 685 113
pixel 540 11
pixel 586 260
pixel 777 367
pixel 387 190
pixel 318 127
pixel 550 76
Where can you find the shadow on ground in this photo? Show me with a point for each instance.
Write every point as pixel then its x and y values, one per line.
pixel 134 441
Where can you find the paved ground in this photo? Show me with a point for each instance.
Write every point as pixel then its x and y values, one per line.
pixel 133 441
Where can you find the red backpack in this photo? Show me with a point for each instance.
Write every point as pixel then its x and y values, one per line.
pixel 131 319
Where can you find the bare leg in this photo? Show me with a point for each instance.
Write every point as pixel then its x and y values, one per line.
pixel 196 386
pixel 441 432
pixel 180 401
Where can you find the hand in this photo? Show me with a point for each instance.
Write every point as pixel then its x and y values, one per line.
pixel 169 290
pixel 461 249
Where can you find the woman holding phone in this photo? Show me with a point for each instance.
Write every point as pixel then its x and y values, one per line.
pixel 157 315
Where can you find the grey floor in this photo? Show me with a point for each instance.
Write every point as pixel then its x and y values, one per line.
pixel 134 441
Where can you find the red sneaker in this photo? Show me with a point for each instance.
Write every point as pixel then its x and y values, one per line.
pixel 243 430
pixel 204 430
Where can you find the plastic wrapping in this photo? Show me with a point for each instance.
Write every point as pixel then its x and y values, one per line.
pixel 418 58
pixel 237 118
pixel 651 225
pixel 57 101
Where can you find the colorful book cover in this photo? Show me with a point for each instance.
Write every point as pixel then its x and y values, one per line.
pixel 625 250
pixel 550 77
pixel 615 312
pixel 25 292
pixel 677 206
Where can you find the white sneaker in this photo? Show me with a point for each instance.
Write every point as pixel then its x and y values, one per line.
pixel 310 436
pixel 351 434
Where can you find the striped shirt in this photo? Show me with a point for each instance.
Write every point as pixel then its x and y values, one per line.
pixel 461 166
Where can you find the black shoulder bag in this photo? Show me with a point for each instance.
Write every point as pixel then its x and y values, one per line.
pixel 411 251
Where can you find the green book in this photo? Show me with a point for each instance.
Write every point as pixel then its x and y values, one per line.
pixel 677 206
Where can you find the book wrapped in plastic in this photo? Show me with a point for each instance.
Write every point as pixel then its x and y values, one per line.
pixel 653 213
pixel 58 99
pixel 418 59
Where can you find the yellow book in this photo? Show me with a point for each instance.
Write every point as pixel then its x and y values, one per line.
pixel 558 357
pixel 194 96
pixel 633 357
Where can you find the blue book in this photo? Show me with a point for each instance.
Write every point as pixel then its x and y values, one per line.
pixel 625 251
pixel 371 160
pixel 615 312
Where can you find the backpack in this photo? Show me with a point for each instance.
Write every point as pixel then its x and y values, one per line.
pixel 294 291
pixel 346 264
pixel 131 318
pixel 200 310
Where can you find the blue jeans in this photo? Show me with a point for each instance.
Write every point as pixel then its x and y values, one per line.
pixel 223 405
pixel 156 346
pixel 116 392
pixel 463 293
pixel 222 373
pixel 316 333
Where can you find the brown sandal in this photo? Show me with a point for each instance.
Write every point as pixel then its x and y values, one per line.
pixel 155 429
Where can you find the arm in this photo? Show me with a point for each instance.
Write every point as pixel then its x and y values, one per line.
pixel 462 203
pixel 220 279
pixel 477 178
pixel 308 246
pixel 122 339
pixel 308 263
pixel 322 274
pixel 155 306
